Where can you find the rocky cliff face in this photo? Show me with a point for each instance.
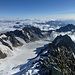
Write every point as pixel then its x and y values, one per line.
pixel 5 38
pixel 59 59
pixel 59 62
pixel 8 41
pixel 2 55
pixel 29 34
pixel 13 39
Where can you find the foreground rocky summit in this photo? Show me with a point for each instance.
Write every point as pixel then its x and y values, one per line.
pixel 55 59
pixel 59 59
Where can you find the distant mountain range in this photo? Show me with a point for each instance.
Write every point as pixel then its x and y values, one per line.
pixel 54 23
pixel 69 21
pixel 69 27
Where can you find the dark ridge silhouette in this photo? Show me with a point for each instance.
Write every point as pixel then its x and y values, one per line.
pixel 66 28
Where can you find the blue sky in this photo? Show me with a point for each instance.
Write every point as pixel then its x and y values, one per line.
pixel 36 8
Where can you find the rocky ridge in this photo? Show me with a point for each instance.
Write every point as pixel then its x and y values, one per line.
pixel 28 34
pixel 55 59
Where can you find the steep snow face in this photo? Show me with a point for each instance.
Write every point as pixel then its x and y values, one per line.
pixel 20 55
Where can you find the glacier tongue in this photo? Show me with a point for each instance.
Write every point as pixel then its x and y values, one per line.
pixel 20 56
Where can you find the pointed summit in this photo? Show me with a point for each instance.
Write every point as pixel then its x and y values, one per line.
pixel 64 41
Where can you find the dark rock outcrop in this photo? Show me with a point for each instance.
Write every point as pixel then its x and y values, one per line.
pixel 5 38
pixel 6 44
pixel 32 34
pixel 17 22
pixel 61 61
pixel 2 55
pixel 13 40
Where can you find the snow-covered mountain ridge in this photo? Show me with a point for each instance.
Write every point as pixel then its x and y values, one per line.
pixel 13 45
pixel 54 59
